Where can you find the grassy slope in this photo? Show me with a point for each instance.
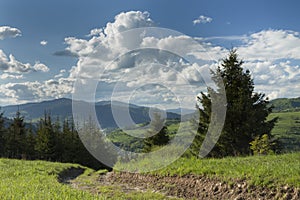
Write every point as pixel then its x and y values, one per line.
pixel 35 180
pixel 269 171
pixel 24 180
pixel 288 130
pixel 285 104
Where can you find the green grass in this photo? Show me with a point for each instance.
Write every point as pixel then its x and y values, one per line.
pixel 127 142
pixel 287 130
pixel 28 180
pixel 21 179
pixel 266 171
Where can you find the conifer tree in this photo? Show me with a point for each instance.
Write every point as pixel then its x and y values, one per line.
pixel 246 115
pixel 2 134
pixel 16 137
pixel 30 143
pixel 46 139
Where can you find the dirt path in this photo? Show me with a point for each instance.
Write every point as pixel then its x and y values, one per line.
pixel 186 187
pixel 69 174
pixel 201 187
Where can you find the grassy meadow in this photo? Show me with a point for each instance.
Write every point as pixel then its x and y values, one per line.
pixel 287 130
pixel 21 179
pixel 28 180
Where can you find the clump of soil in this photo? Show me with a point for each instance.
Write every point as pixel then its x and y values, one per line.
pixel 200 187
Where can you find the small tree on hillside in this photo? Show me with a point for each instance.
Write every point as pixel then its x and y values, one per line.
pixel 158 133
pixel 94 141
pixel 246 115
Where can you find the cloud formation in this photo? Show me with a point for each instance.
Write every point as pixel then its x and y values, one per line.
pixel 202 20
pixel 44 42
pixel 10 76
pixel 9 32
pixel 32 91
pixel 154 68
pixel 11 65
pixel 266 55
pixel 272 45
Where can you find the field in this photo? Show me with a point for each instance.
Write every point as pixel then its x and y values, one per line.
pixel 29 180
pixel 35 180
pixel 21 179
pixel 287 130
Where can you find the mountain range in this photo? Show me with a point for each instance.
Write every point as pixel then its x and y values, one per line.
pixel 62 108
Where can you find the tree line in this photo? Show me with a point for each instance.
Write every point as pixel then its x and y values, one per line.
pixel 51 141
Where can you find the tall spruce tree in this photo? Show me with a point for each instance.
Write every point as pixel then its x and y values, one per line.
pixel 16 137
pixel 246 115
pixel 46 139
pixel 30 143
pixel 2 135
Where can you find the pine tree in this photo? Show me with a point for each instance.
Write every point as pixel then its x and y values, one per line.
pixel 246 115
pixel 16 137
pixel 30 143
pixel 158 134
pixel 58 135
pixel 46 139
pixel 94 141
pixel 71 147
pixel 2 135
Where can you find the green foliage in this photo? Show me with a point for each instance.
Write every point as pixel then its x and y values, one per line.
pixel 15 140
pixel 46 139
pixel 2 134
pixel 126 141
pixel 246 114
pixel 96 143
pixel 50 142
pixel 157 134
pixel 262 145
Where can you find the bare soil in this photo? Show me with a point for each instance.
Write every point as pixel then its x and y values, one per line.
pixel 201 187
pixel 186 187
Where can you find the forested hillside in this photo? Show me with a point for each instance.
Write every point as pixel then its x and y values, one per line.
pixel 286 104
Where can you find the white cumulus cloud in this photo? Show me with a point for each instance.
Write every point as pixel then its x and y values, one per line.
pixel 11 65
pixel 272 45
pixel 9 32
pixel 272 56
pixel 202 20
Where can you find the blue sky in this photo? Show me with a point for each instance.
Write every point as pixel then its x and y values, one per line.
pixel 33 33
